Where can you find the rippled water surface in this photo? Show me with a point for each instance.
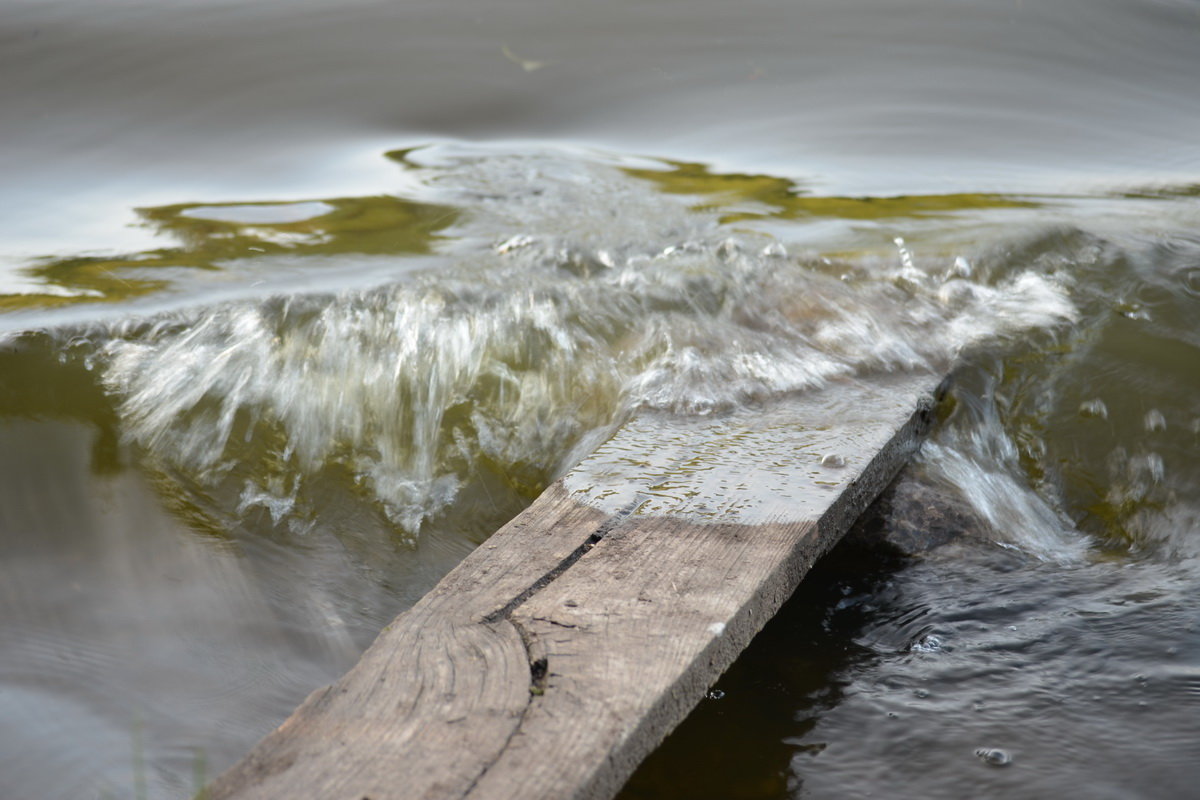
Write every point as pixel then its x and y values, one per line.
pixel 299 303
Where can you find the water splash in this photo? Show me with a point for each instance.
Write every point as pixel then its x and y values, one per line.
pixel 569 297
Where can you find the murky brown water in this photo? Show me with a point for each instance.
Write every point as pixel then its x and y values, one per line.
pixel 298 302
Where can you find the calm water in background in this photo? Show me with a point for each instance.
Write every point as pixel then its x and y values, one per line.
pixel 398 265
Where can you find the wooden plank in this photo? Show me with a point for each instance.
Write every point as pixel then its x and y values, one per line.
pixel 556 656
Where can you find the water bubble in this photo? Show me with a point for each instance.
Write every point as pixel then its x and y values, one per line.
pixel 1155 421
pixel 775 250
pixel 1094 408
pixel 958 294
pixel 994 756
pixel 1191 280
pixel 515 243
pixel 927 644
pixel 727 249
pixel 715 694
pixel 921 693
pixel 833 461
pixel 962 267
pixel 1135 311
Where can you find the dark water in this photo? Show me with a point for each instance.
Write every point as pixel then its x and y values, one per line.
pixel 299 302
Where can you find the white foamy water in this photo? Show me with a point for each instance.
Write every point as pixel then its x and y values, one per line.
pixel 982 467
pixel 560 311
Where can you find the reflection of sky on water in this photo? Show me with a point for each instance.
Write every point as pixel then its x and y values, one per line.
pixel 148 103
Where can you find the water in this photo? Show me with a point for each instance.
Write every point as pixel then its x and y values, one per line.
pixel 299 303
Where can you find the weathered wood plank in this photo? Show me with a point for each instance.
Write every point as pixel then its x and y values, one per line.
pixel 437 696
pixel 556 656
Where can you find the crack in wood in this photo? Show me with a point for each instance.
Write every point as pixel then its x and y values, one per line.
pixel 505 612
pixel 539 669
pixel 539 665
pixel 857 495
pixel 489 695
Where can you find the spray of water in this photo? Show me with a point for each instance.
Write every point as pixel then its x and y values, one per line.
pixel 569 296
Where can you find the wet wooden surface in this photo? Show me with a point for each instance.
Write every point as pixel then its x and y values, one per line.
pixel 556 656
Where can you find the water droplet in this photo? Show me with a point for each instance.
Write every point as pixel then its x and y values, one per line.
pixel 1155 421
pixel 962 267
pixel 906 258
pixel 994 756
pixel 515 243
pixel 715 694
pixel 1154 465
pixel 1094 408
pixel 775 250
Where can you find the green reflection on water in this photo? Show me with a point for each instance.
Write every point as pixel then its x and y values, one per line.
pixel 785 200
pixel 1163 192
pixel 379 225
pixel 38 385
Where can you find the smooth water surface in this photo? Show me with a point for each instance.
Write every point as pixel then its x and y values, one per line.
pixel 299 302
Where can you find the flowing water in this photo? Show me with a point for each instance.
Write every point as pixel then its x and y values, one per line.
pixel 299 302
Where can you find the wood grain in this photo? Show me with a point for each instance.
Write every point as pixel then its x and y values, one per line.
pixel 555 657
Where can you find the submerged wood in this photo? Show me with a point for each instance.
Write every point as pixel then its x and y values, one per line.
pixel 556 656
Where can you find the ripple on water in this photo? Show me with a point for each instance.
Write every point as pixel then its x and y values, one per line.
pixel 1190 279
